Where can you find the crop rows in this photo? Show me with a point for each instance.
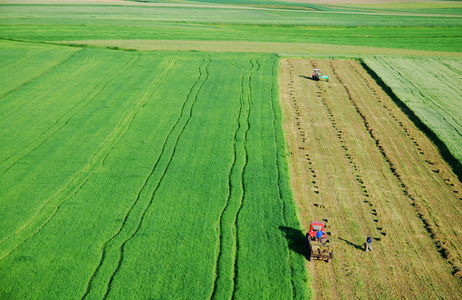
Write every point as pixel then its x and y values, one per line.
pixel 136 175
pixel 360 165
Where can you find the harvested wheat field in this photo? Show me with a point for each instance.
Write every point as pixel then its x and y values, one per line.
pixel 360 165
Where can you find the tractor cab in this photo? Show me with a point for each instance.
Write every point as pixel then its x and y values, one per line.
pixel 316 74
pixel 316 226
pixel 321 248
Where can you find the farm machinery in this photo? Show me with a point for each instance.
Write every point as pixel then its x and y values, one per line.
pixel 317 75
pixel 317 242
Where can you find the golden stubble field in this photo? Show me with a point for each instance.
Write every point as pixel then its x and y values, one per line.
pixel 360 165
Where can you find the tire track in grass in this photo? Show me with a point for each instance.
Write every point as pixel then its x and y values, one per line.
pixel 10 161
pixel 49 209
pixel 112 256
pixel 82 66
pixel 226 271
pixel 247 98
pixel 31 54
pixel 51 131
pixel 442 81
pixel 40 75
pixel 443 72
pixel 220 293
pixel 449 66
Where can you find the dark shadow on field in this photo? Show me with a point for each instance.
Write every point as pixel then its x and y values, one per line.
pixel 295 239
pixel 455 164
pixel 306 77
pixel 359 247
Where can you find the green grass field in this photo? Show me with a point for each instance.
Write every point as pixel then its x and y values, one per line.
pixel 142 153
pixel 55 23
pixel 142 174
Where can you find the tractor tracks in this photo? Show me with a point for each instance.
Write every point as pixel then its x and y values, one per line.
pixel 45 90
pixel 64 119
pixel 226 270
pixel 39 76
pixel 50 208
pixel 112 255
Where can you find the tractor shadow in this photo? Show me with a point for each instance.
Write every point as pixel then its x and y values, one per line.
pixel 295 240
pixel 359 247
pixel 306 77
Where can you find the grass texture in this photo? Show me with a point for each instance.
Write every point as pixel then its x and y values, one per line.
pixel 431 88
pixel 44 23
pixel 140 175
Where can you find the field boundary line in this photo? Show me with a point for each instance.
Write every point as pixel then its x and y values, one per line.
pixel 281 48
pixel 279 163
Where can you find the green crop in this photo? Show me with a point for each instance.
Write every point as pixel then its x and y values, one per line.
pixel 145 175
pixel 57 23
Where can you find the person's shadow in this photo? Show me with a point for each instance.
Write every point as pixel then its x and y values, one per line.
pixel 295 239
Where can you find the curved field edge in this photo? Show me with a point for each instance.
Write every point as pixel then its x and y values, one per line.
pixel 400 88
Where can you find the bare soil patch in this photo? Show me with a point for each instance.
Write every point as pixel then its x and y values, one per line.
pixel 360 165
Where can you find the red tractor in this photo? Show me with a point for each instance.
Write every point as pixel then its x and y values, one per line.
pixel 315 227
pixel 319 247
pixel 316 74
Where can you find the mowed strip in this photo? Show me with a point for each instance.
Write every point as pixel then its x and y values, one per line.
pixel 254 47
pixel 360 165
pixel 432 88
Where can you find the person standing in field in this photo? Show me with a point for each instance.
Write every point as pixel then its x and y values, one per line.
pixel 368 243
